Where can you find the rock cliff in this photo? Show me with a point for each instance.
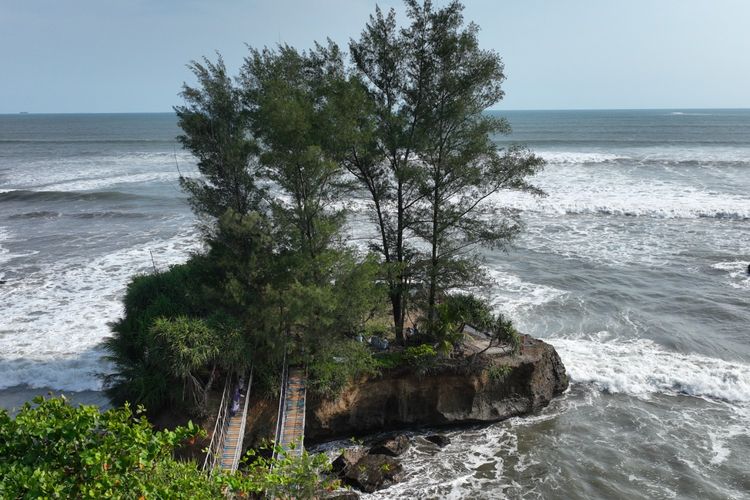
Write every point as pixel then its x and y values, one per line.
pixel 489 388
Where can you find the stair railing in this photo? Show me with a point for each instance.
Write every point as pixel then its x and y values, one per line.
pixel 217 435
pixel 243 421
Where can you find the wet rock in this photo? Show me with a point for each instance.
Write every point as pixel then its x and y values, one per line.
pixel 374 472
pixel 393 446
pixel 346 460
pixel 340 495
pixel 439 439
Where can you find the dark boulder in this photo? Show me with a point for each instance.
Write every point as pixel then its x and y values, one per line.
pixel 374 472
pixel 392 446
pixel 439 439
pixel 344 462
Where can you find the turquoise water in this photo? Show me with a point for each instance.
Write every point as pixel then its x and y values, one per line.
pixel 633 267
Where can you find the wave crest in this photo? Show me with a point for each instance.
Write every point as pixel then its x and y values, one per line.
pixel 641 368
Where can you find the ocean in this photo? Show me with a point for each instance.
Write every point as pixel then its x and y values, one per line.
pixel 634 266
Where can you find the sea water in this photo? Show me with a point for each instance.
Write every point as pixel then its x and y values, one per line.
pixel 634 266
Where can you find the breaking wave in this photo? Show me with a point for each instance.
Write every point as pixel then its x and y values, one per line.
pixel 640 367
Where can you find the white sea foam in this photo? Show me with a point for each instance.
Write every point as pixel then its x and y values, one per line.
pixel 459 470
pixel 581 157
pixel 659 155
pixel 54 320
pixel 514 296
pixel 96 172
pixel 640 367
pixel 576 190
pixel 113 180
pixel 5 255
pixel 737 273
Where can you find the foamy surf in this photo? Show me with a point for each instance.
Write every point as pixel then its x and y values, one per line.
pixel 737 273
pixel 576 192
pixel 641 368
pixel 58 316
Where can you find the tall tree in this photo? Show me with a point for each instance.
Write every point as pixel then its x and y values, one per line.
pixel 286 93
pixel 384 160
pixel 295 101
pixel 216 129
pixel 427 158
pixel 462 168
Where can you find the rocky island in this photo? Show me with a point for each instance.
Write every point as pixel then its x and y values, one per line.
pixel 454 392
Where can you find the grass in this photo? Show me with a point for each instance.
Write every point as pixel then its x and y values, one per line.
pixel 389 360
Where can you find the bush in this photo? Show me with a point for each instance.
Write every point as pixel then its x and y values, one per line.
pixel 421 357
pixel 468 308
pixel 388 360
pixel 498 373
pixel 140 375
pixel 336 364
pixel 503 330
pixel 56 450
pixel 286 476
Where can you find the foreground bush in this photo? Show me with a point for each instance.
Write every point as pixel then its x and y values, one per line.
pixel 58 450
pixel 55 450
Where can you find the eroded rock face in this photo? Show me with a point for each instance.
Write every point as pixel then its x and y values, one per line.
pixel 496 388
pixel 374 472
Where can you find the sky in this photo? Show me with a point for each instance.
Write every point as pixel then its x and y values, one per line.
pixel 67 56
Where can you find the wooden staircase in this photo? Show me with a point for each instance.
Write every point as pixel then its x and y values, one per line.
pixel 225 448
pixel 290 428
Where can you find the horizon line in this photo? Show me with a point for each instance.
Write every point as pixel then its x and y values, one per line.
pixel 24 113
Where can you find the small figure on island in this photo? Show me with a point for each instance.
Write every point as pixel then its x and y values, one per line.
pixel 235 402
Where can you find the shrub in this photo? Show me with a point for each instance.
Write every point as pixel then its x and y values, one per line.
pixel 468 308
pixel 504 331
pixel 56 450
pixel 421 357
pixel 388 360
pixel 498 373
pixel 337 363
pixel 140 375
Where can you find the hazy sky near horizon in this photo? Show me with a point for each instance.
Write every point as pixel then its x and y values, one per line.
pixel 130 56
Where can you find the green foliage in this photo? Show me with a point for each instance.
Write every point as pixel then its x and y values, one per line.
pixel 469 309
pixel 388 360
pixel 405 125
pixel 421 357
pixel 56 450
pixel 503 331
pixel 498 373
pixel 336 364
pixel 444 327
pixel 287 476
pixel 140 375
pixel 428 160
pixel 215 126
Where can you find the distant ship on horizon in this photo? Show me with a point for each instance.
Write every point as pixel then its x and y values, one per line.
pixel 23 112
